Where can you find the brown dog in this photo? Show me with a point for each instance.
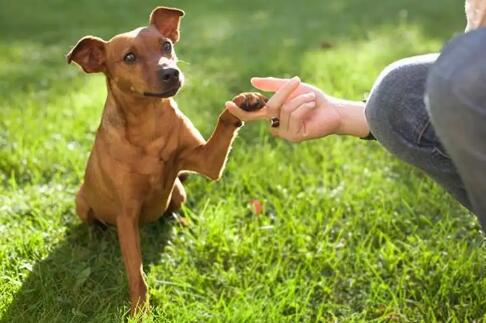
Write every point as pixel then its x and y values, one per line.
pixel 144 142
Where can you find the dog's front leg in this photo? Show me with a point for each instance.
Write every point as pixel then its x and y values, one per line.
pixel 129 237
pixel 209 158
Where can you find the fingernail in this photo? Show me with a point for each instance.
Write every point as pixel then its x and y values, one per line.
pixel 311 94
pixel 296 78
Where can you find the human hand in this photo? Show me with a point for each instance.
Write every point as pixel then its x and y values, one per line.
pixel 304 111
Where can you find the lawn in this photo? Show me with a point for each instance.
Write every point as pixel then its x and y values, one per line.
pixel 348 234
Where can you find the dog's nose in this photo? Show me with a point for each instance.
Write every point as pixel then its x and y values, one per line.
pixel 168 75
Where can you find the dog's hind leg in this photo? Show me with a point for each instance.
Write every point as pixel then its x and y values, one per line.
pixel 178 197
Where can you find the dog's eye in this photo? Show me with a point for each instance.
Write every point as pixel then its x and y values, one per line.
pixel 130 58
pixel 167 47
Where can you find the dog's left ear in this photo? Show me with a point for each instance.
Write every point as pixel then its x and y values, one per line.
pixel 167 21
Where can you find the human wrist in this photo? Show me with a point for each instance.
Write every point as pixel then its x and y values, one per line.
pixel 352 119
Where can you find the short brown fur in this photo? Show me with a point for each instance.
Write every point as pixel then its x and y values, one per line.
pixel 144 142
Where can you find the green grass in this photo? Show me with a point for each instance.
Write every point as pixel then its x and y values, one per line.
pixel 348 234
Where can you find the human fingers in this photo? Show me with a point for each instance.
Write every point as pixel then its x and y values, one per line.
pixel 292 105
pixel 268 84
pixel 277 100
pixel 273 84
pixel 296 120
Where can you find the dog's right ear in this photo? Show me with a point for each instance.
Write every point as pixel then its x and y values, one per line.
pixel 89 53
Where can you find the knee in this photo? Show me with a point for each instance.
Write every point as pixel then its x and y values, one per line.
pixel 457 81
pixel 385 94
pixel 396 102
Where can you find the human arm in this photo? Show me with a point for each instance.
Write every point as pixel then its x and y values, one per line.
pixel 306 112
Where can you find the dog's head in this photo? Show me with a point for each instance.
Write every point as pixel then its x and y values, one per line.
pixel 141 62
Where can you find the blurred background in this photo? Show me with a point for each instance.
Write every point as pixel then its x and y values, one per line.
pixel 348 233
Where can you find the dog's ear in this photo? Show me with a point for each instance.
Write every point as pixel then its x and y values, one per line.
pixel 89 53
pixel 167 21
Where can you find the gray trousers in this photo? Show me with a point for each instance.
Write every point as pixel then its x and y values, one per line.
pixel 430 111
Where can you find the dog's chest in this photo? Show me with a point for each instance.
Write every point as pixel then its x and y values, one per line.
pixel 156 160
pixel 162 180
pixel 157 194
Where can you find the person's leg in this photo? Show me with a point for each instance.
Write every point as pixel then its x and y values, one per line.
pixel 399 120
pixel 456 90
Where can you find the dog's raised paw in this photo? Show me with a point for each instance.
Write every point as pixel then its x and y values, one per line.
pixel 250 101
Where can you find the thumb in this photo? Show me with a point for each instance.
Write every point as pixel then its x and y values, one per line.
pixel 268 84
pixel 245 115
pixel 235 110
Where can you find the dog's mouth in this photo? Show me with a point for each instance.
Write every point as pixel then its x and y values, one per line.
pixel 167 94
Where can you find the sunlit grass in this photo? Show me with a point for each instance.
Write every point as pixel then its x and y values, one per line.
pixel 348 234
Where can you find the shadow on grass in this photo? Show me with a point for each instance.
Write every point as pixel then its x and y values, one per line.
pixel 83 278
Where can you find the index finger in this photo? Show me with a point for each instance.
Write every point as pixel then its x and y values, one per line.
pixel 268 84
pixel 273 84
pixel 278 99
